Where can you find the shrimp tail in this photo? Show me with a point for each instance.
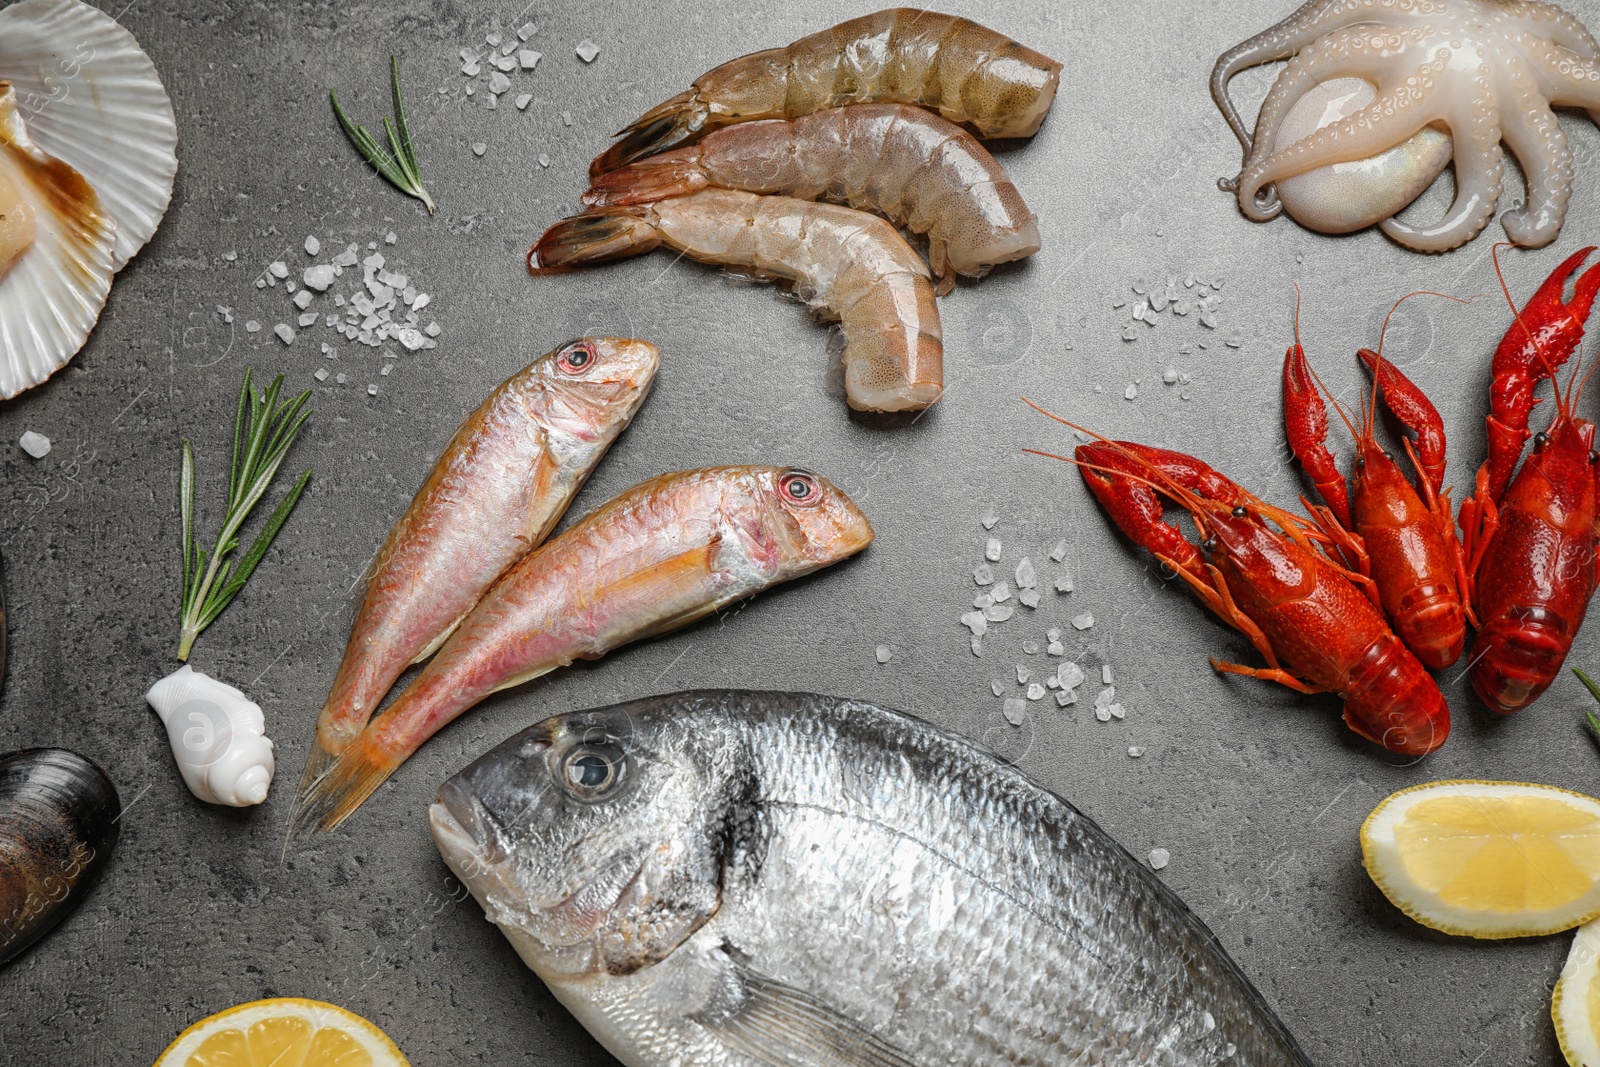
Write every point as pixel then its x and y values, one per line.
pixel 593 237
pixel 342 787
pixel 664 126
pixel 676 173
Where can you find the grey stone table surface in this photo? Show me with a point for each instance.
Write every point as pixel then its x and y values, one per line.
pixel 1258 794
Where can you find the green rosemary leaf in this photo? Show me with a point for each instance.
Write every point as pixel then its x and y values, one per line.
pixel 1588 683
pixel 1594 691
pixel 398 163
pixel 263 541
pixel 245 397
pixel 186 515
pixel 263 432
pixel 407 148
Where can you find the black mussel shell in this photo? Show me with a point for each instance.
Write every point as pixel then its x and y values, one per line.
pixel 58 824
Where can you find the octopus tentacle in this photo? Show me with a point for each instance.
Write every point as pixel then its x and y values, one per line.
pixel 1474 123
pixel 1393 116
pixel 1572 82
pixel 1551 33
pixel 1281 41
pixel 1536 139
pixel 1346 54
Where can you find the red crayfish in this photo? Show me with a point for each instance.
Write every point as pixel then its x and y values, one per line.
pixel 1299 607
pixel 1402 538
pixel 1530 540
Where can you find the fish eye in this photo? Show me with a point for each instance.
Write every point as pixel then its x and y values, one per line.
pixel 591 771
pixel 576 358
pixel 799 489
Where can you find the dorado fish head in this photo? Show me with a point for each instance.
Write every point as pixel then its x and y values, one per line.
pixel 811 522
pixel 596 841
pixel 594 385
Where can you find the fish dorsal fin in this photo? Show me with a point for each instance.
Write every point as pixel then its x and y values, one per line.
pixel 781 1026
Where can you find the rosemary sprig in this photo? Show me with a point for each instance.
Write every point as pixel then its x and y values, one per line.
pixel 263 430
pixel 1594 691
pixel 398 164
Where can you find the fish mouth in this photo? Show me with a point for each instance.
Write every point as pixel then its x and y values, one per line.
pixel 471 846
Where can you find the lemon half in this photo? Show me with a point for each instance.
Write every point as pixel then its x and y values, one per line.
pixel 285 1032
pixel 1487 859
pixel 1576 1004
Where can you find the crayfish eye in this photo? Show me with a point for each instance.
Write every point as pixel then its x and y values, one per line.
pixel 1541 439
pixel 1240 511
pixel 1209 544
pixel 1594 457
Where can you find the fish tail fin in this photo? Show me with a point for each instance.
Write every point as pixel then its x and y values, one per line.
pixel 593 237
pixel 668 124
pixel 660 177
pixel 343 785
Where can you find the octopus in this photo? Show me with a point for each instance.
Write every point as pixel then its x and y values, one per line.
pixel 1379 96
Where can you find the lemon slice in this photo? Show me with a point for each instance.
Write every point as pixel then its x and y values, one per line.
pixel 286 1032
pixel 1576 1004
pixel 1487 859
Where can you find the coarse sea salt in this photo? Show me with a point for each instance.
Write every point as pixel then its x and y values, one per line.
pixel 1066 697
pixel 1015 709
pixel 1035 691
pixel 991 551
pixel 587 50
pixel 989 519
pixel 285 333
pixel 997 687
pixel 1082 622
pixel 983 574
pixel 1059 553
pixel 1070 675
pixel 36 445
pixel 1159 858
pixel 1134 751
pixel 884 653
pixel 1029 598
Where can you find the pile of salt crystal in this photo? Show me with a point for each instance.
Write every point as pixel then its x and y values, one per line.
pixel 503 55
pixel 370 314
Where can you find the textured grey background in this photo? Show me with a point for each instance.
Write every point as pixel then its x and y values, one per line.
pixel 1257 793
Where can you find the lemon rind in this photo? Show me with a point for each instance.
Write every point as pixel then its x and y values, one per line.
pixel 1577 977
pixel 372 1039
pixel 1477 925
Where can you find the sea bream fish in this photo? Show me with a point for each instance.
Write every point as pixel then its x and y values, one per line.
pixel 735 879
pixel 498 489
pixel 661 555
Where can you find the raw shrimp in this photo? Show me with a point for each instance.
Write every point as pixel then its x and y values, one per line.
pixel 923 172
pixel 845 263
pixel 966 72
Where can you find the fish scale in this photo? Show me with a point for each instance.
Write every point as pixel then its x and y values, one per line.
pixel 889 881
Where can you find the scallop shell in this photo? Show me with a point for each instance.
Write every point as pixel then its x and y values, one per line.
pixel 51 297
pixel 92 98
pixel 218 737
pixel 1346 197
pixel 58 825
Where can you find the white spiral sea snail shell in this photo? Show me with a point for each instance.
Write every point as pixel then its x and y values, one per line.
pixel 218 737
